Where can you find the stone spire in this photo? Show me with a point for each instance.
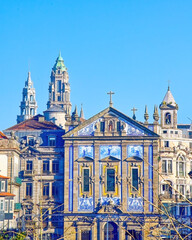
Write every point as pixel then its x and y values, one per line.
pixel 59 87
pixel 169 99
pixel 75 116
pixel 146 115
pixel 28 107
pixel 156 114
pixel 82 113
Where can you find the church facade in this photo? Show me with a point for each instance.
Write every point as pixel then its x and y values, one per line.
pixel 111 189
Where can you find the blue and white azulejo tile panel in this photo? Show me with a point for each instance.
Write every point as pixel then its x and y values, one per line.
pixel 131 129
pixel 85 151
pixel 89 129
pixel 85 204
pixel 107 200
pixel 110 150
pixel 135 151
pixel 135 204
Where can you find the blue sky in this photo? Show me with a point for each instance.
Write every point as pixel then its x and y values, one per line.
pixel 132 47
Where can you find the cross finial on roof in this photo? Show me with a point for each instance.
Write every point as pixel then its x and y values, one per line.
pixel 110 102
pixel 169 85
pixel 134 110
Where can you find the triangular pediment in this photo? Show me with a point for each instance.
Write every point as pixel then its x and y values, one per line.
pixel 109 159
pixel 29 150
pixel 110 122
pixel 85 159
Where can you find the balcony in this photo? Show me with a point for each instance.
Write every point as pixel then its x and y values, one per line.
pixel 166 149
pixel 17 207
pixel 28 173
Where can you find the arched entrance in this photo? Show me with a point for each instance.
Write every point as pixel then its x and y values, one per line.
pixel 111 231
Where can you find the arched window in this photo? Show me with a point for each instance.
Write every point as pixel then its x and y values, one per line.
pixel 111 231
pixel 31 98
pixel 180 166
pixel 168 118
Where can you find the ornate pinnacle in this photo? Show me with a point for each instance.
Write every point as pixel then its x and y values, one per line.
pixel 156 114
pixel 146 115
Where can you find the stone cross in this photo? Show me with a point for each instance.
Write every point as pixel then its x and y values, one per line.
pixel 134 110
pixel 110 102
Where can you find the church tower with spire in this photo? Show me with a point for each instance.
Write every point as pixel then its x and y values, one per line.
pixel 28 107
pixel 169 110
pixel 59 87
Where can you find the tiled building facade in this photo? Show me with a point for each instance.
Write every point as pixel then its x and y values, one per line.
pixel 107 177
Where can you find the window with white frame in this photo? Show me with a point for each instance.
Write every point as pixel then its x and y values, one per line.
pixel 181 191
pixel 180 166
pixel 2 186
pixel 167 166
pixel 1 204
pixel 166 187
pixel 52 141
pixel 6 205
pixel 11 206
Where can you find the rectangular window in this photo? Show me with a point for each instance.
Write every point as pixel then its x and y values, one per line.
pixel 102 126
pixel 86 234
pixel 118 126
pixel 29 166
pixel 45 166
pixel 85 180
pixel 46 189
pixel 110 180
pixel 1 205
pixel 164 166
pixel 166 143
pixel 181 169
pixel 169 166
pixel 52 141
pixel 29 189
pixel 11 206
pixel 58 85
pixel 3 186
pixel 164 131
pixel 135 183
pixel 181 191
pixel 6 205
pixel 55 167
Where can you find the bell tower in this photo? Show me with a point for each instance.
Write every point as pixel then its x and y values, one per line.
pixel 59 87
pixel 169 110
pixel 28 107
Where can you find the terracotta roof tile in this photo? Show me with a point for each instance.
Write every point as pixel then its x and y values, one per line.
pixel 2 135
pixel 35 123
pixel 1 176
pixel 6 194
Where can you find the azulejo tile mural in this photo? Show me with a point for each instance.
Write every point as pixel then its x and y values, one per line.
pixel 135 204
pixel 88 130
pixel 131 129
pixel 85 204
pixel 110 150
pixel 107 200
pixel 135 151
pixel 85 151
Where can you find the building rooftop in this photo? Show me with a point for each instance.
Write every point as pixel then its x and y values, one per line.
pixel 37 122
